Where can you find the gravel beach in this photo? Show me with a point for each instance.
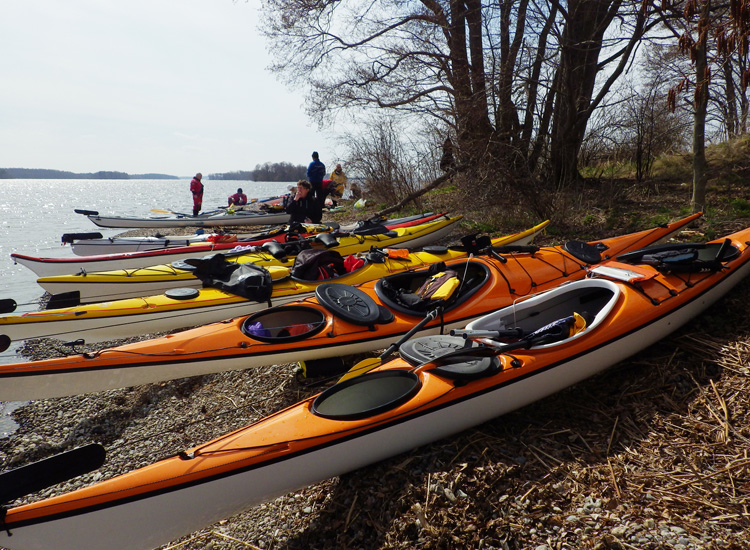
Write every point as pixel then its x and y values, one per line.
pixel 651 454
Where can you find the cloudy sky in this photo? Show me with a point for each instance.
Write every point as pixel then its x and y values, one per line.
pixel 138 86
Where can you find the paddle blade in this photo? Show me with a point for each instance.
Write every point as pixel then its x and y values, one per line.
pixel 64 299
pixel 70 237
pixel 86 212
pixel 8 305
pixel 49 471
pixel 161 211
pixel 366 365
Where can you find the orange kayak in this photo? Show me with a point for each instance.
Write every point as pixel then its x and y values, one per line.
pixel 339 320
pixel 500 362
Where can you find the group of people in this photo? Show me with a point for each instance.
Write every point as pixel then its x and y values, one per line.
pixel 196 188
pixel 305 204
pixel 307 201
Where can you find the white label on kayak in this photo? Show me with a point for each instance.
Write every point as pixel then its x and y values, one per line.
pixel 618 274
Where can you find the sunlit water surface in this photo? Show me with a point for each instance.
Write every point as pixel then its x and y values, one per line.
pixel 34 214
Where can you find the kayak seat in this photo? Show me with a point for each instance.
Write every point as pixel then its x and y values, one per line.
pixel 558 330
pixel 349 303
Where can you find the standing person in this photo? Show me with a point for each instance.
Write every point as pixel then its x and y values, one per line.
pixel 196 187
pixel 303 206
pixel 447 162
pixel 339 180
pixel 239 198
pixel 316 171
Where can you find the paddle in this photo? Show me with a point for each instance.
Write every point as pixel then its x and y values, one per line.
pixel 86 212
pixel 70 237
pixel 7 305
pixel 466 334
pixel 49 471
pixel 367 365
pixel 165 211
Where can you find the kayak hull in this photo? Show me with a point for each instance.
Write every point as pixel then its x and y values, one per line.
pixel 119 245
pixel 132 317
pixel 305 443
pixel 213 220
pixel 225 346
pixel 50 267
pixel 156 279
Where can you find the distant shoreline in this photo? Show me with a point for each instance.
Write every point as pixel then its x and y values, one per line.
pixel 40 173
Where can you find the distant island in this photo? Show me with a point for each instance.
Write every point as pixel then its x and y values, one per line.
pixel 270 171
pixel 41 174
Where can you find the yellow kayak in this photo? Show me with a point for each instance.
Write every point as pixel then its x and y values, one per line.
pixel 185 307
pixel 146 281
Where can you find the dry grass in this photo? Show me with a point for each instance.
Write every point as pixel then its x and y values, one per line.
pixel 652 454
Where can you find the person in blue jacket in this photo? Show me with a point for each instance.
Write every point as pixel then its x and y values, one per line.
pixel 316 171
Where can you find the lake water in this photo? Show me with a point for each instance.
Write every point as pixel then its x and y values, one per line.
pixel 34 214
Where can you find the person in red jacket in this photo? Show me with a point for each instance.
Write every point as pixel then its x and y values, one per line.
pixel 196 188
pixel 239 198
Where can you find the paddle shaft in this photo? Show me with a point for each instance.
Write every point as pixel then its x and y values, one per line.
pixel 488 350
pixel 367 365
pixel 49 471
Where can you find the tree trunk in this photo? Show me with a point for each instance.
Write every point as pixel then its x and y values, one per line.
pixel 700 166
pixel 473 127
pixel 731 121
pixel 581 43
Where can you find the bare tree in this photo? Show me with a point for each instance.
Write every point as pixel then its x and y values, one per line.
pixel 516 81
pixel 388 163
pixel 711 33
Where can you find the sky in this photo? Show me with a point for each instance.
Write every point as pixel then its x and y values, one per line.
pixel 145 86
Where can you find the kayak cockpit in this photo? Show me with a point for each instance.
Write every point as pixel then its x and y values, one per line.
pixel 579 307
pixel 405 292
pixel 284 324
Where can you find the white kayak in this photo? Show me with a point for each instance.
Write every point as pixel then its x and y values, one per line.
pixel 90 244
pixel 97 286
pixel 226 244
pixel 213 220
